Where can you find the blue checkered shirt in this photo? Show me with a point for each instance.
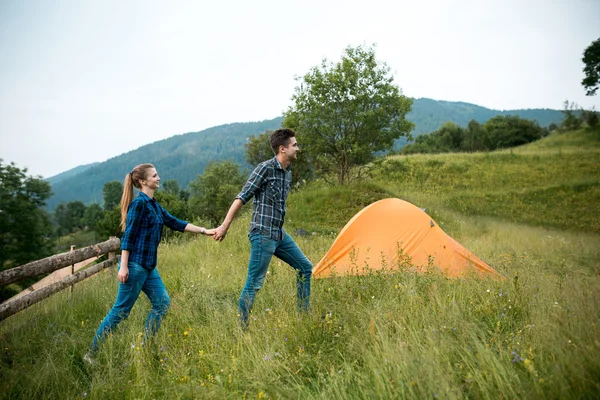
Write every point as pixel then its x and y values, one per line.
pixel 269 184
pixel 143 229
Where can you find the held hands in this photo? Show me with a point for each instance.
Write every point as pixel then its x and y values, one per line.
pixel 219 233
pixel 207 232
pixel 123 274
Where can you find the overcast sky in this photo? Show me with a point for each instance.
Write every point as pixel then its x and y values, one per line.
pixel 84 81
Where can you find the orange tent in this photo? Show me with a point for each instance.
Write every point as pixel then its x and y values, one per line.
pixel 393 233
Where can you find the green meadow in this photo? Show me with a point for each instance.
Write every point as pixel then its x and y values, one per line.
pixel 532 213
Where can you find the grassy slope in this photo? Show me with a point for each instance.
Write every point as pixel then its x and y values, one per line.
pixel 552 183
pixel 378 336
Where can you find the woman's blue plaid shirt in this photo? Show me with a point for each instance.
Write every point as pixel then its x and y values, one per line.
pixel 143 229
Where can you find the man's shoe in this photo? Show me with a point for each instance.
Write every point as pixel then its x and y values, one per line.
pixel 89 359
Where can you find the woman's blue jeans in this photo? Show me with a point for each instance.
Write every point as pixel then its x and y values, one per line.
pixel 140 280
pixel 262 250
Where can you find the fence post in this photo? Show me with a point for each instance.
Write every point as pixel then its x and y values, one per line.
pixel 72 272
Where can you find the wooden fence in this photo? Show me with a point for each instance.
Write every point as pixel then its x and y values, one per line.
pixel 53 263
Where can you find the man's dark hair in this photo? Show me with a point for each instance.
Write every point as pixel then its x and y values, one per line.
pixel 281 137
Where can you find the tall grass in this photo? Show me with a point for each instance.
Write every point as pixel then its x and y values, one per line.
pixel 78 239
pixel 379 335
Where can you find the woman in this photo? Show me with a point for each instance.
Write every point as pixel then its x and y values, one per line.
pixel 142 222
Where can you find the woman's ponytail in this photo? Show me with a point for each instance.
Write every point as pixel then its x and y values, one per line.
pixel 132 179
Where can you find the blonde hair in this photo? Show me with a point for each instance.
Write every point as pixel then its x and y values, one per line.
pixel 138 174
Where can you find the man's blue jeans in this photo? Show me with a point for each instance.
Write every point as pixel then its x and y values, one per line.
pixel 262 250
pixel 140 280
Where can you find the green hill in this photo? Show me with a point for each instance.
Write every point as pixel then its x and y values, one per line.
pixel 553 183
pixel 183 157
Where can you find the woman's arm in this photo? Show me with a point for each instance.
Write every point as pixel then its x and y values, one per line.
pixel 182 226
pixel 197 229
pixel 123 274
pixel 135 212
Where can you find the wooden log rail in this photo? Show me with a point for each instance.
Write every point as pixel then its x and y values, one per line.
pixel 12 307
pixel 52 263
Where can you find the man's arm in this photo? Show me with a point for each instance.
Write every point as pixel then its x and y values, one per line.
pixel 254 182
pixel 221 231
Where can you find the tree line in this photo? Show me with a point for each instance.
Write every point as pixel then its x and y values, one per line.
pixel 497 133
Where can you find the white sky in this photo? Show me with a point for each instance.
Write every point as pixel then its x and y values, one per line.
pixel 83 81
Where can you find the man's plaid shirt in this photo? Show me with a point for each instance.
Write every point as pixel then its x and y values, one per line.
pixel 143 229
pixel 270 184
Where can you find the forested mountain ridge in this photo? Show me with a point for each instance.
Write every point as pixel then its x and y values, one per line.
pixel 69 174
pixel 182 157
pixel 428 115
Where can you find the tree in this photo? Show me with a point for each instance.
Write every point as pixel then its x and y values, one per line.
pixel 258 148
pixel 171 186
pixel 59 216
pixel 69 217
pixel 110 224
pixel 451 136
pixel 112 190
pixel 510 131
pixel 169 197
pixel 214 190
pixel 475 137
pixel 572 114
pixel 348 111
pixel 25 228
pixel 591 59
pixel 93 214
pixel 591 118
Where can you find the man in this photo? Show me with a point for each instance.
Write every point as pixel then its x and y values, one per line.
pixel 269 184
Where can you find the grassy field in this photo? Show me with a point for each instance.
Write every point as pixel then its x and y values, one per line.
pixel 531 213
pixel 78 239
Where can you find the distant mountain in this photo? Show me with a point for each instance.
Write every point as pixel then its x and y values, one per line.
pixel 183 157
pixel 180 157
pixel 429 115
pixel 69 174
